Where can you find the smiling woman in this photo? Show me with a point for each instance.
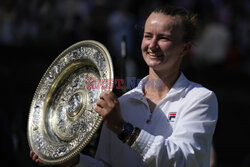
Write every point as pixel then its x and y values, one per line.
pixel 162 44
pixel 170 126
pixel 166 40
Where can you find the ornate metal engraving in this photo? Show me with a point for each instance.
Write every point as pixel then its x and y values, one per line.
pixel 62 119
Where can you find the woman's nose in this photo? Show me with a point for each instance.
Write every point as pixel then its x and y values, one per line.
pixel 153 45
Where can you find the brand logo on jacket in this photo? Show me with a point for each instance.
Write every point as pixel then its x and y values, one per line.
pixel 171 116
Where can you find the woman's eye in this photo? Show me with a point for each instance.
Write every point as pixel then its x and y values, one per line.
pixel 147 36
pixel 165 38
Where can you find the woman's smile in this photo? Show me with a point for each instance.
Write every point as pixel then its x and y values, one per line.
pixel 152 55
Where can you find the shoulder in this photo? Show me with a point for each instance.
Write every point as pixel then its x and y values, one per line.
pixel 197 97
pixel 200 99
pixel 198 91
pixel 189 90
pixel 198 102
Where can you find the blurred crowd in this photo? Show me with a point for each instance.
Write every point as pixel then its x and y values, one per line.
pixel 223 39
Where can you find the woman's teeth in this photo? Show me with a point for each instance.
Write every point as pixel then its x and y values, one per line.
pixel 154 54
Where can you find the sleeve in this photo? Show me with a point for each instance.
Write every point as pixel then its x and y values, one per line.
pixel 87 161
pixel 102 155
pixel 189 145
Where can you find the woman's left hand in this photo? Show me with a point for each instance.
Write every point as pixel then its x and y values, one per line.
pixel 108 107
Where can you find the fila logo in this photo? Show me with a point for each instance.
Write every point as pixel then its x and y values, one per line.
pixel 171 116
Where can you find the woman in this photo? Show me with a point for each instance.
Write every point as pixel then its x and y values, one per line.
pixel 166 120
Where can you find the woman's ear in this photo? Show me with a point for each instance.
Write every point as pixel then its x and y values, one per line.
pixel 187 47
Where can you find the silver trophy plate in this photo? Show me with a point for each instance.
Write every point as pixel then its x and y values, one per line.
pixel 62 119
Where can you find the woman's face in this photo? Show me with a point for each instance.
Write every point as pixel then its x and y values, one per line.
pixel 162 45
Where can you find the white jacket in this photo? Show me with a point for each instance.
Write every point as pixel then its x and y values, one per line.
pixel 179 134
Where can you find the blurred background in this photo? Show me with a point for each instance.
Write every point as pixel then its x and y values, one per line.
pixel 34 32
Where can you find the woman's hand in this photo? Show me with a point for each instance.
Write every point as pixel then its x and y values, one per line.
pixel 35 158
pixel 108 107
pixel 69 163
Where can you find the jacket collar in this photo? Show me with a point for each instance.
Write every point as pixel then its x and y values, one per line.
pixel 180 84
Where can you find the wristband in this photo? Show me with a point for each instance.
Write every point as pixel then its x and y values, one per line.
pixel 127 130
pixel 133 136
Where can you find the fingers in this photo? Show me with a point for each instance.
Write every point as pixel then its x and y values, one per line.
pixel 109 97
pixel 35 158
pixel 39 162
pixel 33 155
pixel 101 103
pixel 109 108
pixel 106 103
pixel 107 100
pixel 101 111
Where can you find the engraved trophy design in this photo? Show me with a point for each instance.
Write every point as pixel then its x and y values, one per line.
pixel 62 119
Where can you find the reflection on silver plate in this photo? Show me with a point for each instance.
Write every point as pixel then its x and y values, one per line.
pixel 62 119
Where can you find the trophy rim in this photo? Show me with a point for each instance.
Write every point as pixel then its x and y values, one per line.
pixel 53 161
